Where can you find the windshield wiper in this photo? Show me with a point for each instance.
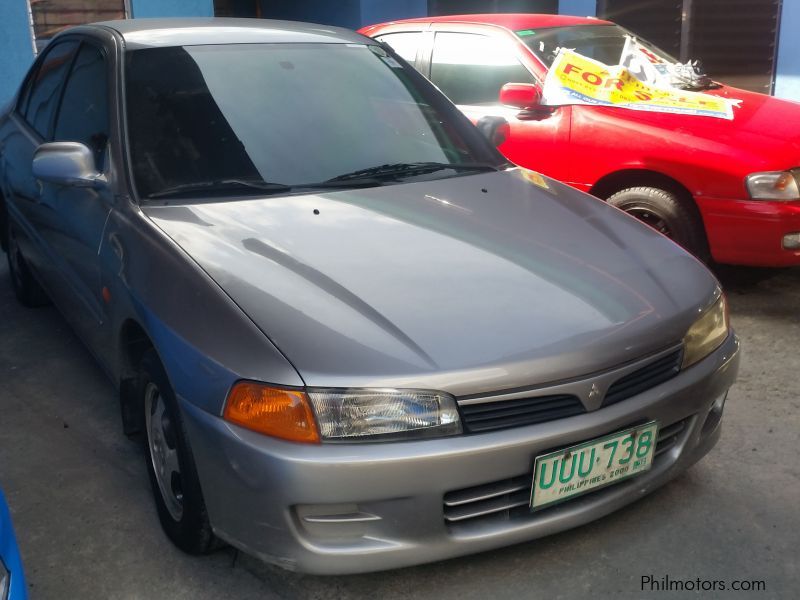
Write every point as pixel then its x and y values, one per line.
pixel 221 185
pixel 408 169
pixel 372 176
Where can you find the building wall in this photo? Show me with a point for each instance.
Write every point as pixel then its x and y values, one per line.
pixel 380 11
pixel 172 8
pixel 16 47
pixel 787 80
pixel 342 13
pixel 578 8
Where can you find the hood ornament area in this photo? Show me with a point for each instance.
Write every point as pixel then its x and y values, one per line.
pixel 594 393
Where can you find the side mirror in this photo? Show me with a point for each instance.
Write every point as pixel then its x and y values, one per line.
pixel 524 96
pixel 66 163
pixel 495 129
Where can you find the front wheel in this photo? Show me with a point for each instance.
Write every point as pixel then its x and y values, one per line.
pixel 666 212
pixel 170 464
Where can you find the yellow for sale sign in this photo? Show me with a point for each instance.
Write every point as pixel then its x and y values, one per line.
pixel 577 79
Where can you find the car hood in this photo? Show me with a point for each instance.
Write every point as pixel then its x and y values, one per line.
pixel 765 131
pixel 466 284
pixel 763 117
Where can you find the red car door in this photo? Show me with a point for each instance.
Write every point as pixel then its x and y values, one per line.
pixel 470 64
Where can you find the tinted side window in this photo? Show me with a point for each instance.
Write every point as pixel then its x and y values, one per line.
pixel 47 86
pixel 405 44
pixel 83 115
pixel 25 94
pixel 471 68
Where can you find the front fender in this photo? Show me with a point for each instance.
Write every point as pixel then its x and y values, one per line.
pixel 204 339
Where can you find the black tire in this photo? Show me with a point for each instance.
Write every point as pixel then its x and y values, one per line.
pixel 665 211
pixel 189 529
pixel 26 288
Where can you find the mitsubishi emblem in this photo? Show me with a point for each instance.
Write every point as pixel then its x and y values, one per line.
pixel 594 393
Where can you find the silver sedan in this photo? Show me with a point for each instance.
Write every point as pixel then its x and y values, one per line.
pixel 349 335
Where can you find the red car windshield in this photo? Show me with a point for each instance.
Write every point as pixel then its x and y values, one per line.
pixel 603 43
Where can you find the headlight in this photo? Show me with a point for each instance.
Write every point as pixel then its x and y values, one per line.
pixel 772 185
pixel 5 581
pixel 707 333
pixel 350 415
pixel 341 415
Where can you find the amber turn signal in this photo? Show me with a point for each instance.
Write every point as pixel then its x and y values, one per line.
pixel 284 414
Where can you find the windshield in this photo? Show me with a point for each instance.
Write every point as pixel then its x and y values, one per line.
pixel 603 43
pixel 254 118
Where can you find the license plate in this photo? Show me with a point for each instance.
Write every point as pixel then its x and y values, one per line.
pixel 564 474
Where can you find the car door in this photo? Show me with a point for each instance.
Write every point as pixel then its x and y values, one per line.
pixel 471 67
pixel 73 218
pixel 31 124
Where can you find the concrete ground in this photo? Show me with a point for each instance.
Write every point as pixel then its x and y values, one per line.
pixel 87 526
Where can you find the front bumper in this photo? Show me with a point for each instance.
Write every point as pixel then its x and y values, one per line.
pixel 347 508
pixel 750 232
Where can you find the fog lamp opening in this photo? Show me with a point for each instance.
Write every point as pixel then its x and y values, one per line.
pixel 791 241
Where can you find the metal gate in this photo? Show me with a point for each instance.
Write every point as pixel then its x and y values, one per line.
pixel 737 40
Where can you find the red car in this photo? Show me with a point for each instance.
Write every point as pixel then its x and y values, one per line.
pixel 724 189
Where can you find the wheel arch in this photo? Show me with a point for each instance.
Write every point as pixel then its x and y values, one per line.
pixel 134 342
pixel 617 181
pixel 610 184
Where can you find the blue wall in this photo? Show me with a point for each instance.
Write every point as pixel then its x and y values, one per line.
pixel 787 80
pixel 379 11
pixel 578 8
pixel 172 8
pixel 343 13
pixel 16 47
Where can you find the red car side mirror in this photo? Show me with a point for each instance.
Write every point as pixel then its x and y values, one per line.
pixel 524 96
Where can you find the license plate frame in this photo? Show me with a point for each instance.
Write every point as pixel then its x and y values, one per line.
pixel 575 454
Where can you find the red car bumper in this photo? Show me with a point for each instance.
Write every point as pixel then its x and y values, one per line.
pixel 750 232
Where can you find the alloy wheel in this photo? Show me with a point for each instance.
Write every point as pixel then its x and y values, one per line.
pixel 647 216
pixel 163 447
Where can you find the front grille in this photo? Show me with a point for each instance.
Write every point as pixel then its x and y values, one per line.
pixel 509 499
pixel 643 379
pixel 488 499
pixel 488 416
pixel 504 414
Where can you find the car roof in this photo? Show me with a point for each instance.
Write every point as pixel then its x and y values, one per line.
pixel 513 21
pixel 152 33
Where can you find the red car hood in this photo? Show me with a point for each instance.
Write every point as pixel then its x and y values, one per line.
pixel 761 115
pixel 764 134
